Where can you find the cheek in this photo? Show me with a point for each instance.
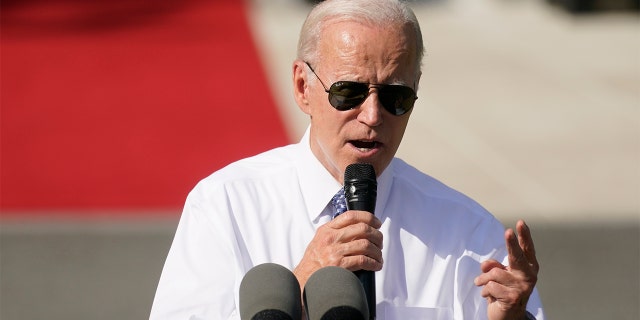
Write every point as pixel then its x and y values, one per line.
pixel 399 128
pixel 322 114
pixel 326 118
pixel 315 101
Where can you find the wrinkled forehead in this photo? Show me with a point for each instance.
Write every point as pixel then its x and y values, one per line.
pixel 368 53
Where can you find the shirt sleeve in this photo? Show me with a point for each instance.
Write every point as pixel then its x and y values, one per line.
pixel 202 273
pixel 534 306
pixel 474 306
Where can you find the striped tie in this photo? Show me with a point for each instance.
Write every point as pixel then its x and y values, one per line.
pixel 339 203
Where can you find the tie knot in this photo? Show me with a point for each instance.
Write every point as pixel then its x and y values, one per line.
pixel 339 203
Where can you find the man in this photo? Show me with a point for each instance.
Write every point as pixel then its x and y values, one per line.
pixel 436 253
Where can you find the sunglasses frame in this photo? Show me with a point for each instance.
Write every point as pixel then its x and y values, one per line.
pixel 382 88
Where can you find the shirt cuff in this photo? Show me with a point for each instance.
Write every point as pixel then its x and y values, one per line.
pixel 530 316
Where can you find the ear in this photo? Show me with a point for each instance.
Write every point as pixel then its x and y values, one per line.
pixel 301 86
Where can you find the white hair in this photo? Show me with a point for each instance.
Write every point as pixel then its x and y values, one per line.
pixel 375 12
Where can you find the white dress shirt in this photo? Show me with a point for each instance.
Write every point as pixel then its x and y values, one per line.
pixel 267 208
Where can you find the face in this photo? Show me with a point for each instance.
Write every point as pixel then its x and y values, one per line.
pixel 351 51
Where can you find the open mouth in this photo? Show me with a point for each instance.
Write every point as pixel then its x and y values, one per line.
pixel 364 145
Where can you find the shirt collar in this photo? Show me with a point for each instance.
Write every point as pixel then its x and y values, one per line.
pixel 318 186
pixel 385 182
pixel 316 183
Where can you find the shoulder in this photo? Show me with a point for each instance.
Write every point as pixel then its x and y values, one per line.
pixel 429 192
pixel 410 178
pixel 278 162
pixel 443 212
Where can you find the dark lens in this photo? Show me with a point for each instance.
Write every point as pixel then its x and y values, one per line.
pixel 397 99
pixel 345 95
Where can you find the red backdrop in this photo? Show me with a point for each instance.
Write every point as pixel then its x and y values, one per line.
pixel 126 104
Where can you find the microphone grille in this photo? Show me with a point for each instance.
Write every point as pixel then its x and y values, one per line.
pixel 359 171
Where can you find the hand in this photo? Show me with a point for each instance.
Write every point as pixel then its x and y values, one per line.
pixel 507 288
pixel 351 240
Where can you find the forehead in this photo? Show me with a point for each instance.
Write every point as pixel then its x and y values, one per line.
pixel 365 52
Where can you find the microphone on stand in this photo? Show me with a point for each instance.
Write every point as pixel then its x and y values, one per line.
pixel 334 293
pixel 270 292
pixel 360 189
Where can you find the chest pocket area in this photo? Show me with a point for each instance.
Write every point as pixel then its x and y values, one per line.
pixel 417 313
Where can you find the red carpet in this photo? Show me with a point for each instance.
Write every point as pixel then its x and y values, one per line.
pixel 109 105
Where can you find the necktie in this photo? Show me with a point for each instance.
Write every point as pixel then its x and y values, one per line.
pixel 339 203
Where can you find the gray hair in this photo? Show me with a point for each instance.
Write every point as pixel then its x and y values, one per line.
pixel 377 13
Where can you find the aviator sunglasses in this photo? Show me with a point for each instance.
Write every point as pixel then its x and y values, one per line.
pixel 347 95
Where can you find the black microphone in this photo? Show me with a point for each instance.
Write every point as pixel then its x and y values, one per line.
pixel 270 292
pixel 360 190
pixel 334 293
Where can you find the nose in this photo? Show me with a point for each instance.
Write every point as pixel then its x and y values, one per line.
pixel 371 110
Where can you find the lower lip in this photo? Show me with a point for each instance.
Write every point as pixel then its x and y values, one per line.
pixel 366 153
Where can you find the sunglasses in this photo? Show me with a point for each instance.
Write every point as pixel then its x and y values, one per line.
pixel 347 95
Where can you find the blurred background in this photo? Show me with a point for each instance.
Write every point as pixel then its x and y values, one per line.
pixel 111 111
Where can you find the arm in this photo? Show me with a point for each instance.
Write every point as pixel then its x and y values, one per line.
pixel 199 278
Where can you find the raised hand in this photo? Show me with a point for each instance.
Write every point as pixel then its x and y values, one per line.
pixel 507 288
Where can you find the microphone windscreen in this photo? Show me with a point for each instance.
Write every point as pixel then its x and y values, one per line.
pixel 335 293
pixel 359 171
pixel 270 291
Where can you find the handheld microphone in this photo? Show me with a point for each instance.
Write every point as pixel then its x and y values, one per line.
pixel 270 292
pixel 360 189
pixel 334 293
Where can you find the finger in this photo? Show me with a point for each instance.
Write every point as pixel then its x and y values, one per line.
pixel 360 231
pixel 493 272
pixel 355 216
pixel 356 255
pixel 361 262
pixel 526 242
pixel 363 248
pixel 517 259
pixel 490 290
pixel 487 265
pixel 498 292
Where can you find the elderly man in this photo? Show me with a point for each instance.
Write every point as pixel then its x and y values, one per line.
pixel 436 253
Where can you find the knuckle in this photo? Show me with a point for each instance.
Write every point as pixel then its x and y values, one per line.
pixel 361 260
pixel 536 267
pixel 494 273
pixel 363 228
pixel 363 244
pixel 332 260
pixel 376 251
pixel 328 238
pixel 491 286
pixel 350 216
pixel 529 285
pixel 512 297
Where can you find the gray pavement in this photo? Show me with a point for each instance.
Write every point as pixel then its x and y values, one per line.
pixel 87 270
